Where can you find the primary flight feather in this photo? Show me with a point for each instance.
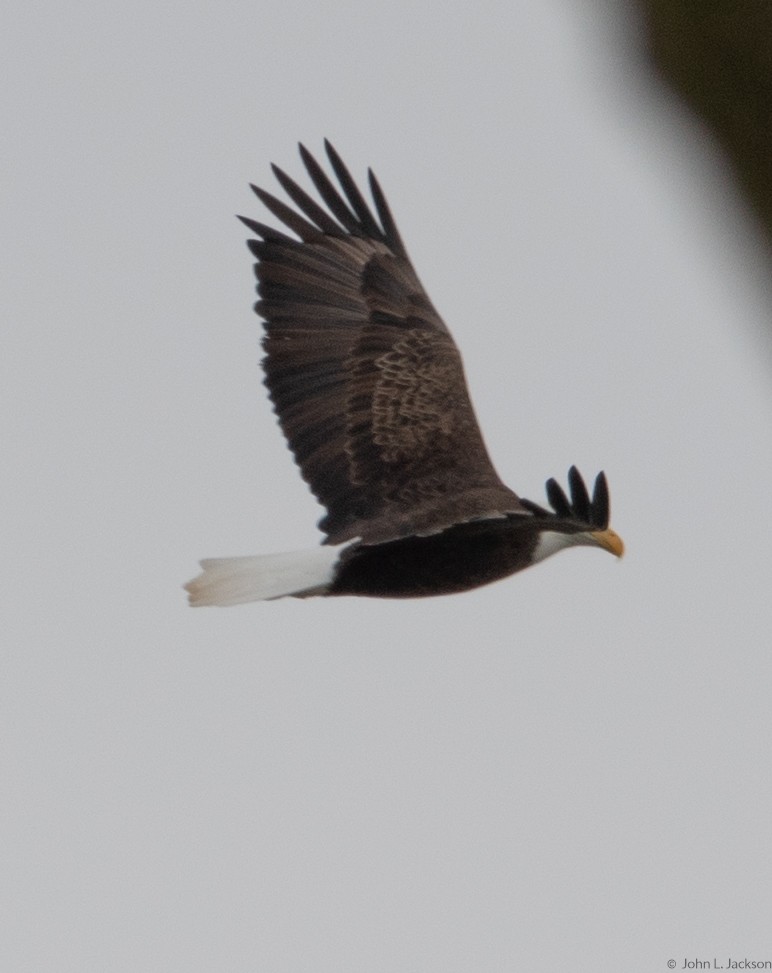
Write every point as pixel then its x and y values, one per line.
pixel 369 389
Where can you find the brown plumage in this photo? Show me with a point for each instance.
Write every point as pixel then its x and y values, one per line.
pixel 370 392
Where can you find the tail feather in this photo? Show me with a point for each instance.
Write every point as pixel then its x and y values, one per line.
pixel 236 580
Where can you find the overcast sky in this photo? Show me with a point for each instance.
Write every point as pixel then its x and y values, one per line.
pixel 567 770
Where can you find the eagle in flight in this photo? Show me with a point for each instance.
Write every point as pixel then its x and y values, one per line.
pixel 369 390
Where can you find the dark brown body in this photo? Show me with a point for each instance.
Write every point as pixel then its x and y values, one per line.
pixel 463 557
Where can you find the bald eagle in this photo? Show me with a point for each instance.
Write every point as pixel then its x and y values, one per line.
pixel 369 390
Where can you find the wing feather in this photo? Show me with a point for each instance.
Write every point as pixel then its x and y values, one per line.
pixel 365 378
pixel 367 223
pixel 310 207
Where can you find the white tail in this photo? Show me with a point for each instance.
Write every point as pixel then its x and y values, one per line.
pixel 236 580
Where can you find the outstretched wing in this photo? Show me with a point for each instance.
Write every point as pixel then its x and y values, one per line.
pixel 365 378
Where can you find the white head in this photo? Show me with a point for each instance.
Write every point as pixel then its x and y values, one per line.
pixel 552 541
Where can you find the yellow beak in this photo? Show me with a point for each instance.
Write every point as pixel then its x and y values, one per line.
pixel 610 541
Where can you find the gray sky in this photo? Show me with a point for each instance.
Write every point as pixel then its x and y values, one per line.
pixel 567 770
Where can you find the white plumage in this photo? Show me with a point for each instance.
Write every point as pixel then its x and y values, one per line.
pixel 237 580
